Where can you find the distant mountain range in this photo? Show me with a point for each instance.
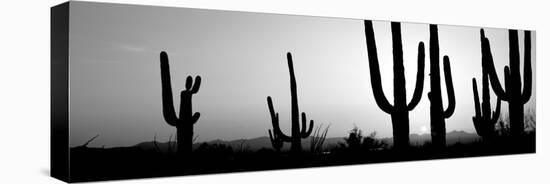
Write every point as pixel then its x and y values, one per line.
pixel 258 143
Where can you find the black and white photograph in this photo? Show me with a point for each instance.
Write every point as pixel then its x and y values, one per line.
pixel 274 92
pixel 159 91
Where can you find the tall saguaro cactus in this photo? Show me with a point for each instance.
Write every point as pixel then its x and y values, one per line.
pixel 184 124
pixel 399 111
pixel 296 133
pixel 483 122
pixel 512 92
pixel 437 114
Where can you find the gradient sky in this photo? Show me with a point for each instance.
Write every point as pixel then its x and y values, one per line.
pixel 115 87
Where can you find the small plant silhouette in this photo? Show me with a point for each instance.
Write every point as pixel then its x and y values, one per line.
pixel 277 136
pixel 437 114
pixel 357 143
pixel 318 139
pixel 371 143
pixel 483 122
pixel 512 92
pixel 399 111
pixel 157 148
pixel 85 145
pixel 170 145
pixel 354 139
pixel 184 124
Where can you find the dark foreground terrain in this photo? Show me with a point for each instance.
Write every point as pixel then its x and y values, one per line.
pixel 92 164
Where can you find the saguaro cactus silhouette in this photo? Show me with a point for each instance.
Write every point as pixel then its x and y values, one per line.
pixel 297 134
pixel 399 111
pixel 512 92
pixel 184 124
pixel 437 114
pixel 483 122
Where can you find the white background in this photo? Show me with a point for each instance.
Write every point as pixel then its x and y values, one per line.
pixel 25 91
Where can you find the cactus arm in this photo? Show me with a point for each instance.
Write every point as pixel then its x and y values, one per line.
pixel 308 133
pixel 271 137
pixel 417 95
pixel 304 124
pixel 276 142
pixel 274 115
pixel 195 117
pixel 496 113
pixel 477 119
pixel 476 99
pixel 479 126
pixel 197 84
pixel 374 67
pixel 304 133
pixel 487 63
pixel 168 111
pixel 450 89
pixel 527 81
pixel 280 134
pixel 188 82
pixel 275 121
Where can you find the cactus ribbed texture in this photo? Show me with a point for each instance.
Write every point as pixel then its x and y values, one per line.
pixel 399 111
pixel 437 114
pixel 184 124
pixel 512 92
pixel 297 134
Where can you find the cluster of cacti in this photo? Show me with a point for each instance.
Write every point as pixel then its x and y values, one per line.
pixel 484 123
pixel 399 111
pixel 184 124
pixel 437 114
pixel 484 120
pixel 297 134
pixel 512 91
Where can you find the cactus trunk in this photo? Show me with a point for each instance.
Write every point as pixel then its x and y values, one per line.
pixel 437 113
pixel 399 111
pixel 296 143
pixel 400 124
pixel 184 140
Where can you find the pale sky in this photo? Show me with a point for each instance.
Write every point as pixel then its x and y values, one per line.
pixel 115 86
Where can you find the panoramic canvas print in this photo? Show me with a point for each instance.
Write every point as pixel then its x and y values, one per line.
pixel 146 91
